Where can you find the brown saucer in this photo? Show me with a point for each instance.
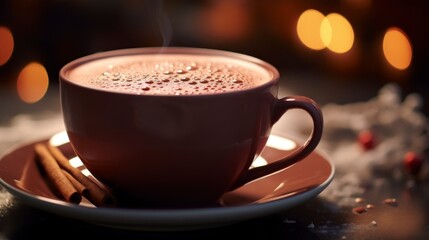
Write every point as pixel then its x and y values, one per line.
pixel 20 175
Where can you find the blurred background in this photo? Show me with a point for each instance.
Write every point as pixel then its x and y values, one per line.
pixel 333 51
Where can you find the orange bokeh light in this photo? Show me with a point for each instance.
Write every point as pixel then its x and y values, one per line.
pixel 32 82
pixel 225 21
pixel 317 31
pixel 397 48
pixel 6 44
pixel 308 29
pixel 337 33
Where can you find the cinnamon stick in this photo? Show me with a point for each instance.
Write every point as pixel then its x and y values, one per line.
pixel 96 194
pixel 78 185
pixel 56 176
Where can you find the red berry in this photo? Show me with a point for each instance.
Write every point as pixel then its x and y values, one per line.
pixel 413 163
pixel 366 139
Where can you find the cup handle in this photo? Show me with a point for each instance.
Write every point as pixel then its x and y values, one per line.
pixel 280 108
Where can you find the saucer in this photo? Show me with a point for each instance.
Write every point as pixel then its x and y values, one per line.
pixel 283 190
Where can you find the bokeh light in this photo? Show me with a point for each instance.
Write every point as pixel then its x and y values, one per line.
pixel 397 48
pixel 308 29
pixel 6 44
pixel 32 83
pixel 337 33
pixel 318 32
pixel 59 139
pixel 225 21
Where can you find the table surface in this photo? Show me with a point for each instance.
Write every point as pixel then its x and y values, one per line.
pixel 318 218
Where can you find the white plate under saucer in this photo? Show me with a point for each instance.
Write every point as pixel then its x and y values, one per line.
pixel 283 190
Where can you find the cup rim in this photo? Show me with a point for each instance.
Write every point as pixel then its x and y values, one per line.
pixel 274 79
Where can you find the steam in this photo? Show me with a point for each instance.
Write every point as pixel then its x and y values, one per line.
pixel 164 24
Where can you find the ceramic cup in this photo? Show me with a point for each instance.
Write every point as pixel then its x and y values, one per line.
pixel 176 127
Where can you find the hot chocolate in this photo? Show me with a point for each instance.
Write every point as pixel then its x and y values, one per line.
pixel 175 127
pixel 169 74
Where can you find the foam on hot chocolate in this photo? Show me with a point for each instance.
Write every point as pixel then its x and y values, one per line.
pixel 169 74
